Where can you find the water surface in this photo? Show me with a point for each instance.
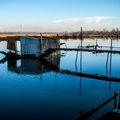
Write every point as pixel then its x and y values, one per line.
pixel 30 90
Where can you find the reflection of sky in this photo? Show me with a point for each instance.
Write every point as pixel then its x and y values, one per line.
pixel 56 95
pixel 3 45
pixel 100 42
pixel 93 63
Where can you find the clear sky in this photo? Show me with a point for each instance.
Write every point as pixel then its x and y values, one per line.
pixel 58 15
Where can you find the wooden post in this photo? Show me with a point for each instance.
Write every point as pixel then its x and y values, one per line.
pixel 41 43
pixel 81 37
pixel 111 44
pixel 117 33
pixel 41 35
pixel 57 36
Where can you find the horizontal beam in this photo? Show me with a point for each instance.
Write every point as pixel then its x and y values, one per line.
pixel 87 50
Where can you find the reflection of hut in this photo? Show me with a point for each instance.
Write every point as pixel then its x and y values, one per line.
pixel 31 66
pixel 36 46
pixel 12 64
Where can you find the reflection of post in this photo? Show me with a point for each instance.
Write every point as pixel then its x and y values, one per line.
pixel 107 64
pixel 12 64
pixel 81 72
pixel 41 75
pixel 110 64
pixel 115 100
pixel 76 61
pixel 110 69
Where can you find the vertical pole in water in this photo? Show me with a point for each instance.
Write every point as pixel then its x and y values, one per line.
pixel 76 61
pixel 81 37
pixel 57 35
pixel 110 63
pixel 117 33
pixel 41 36
pixel 41 53
pixel 81 52
pixel 81 62
pixel 111 44
pixel 107 64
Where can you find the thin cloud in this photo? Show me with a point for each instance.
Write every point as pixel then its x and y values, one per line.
pixel 86 20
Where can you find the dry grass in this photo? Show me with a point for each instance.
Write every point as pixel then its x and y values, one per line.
pixel 15 35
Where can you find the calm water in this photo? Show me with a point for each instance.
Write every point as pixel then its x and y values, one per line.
pixel 32 91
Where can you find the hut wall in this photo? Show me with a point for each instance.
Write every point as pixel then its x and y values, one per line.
pixel 36 46
pixel 30 46
pixel 47 43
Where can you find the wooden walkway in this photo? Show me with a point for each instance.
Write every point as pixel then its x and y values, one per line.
pixel 10 55
pixel 4 53
pixel 87 50
pixel 52 50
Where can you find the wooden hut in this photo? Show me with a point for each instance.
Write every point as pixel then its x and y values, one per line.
pixel 31 46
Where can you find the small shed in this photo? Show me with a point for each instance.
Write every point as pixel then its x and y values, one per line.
pixel 31 46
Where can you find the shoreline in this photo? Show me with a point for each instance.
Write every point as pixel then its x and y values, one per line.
pixel 59 36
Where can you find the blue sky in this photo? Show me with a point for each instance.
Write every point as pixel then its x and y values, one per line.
pixel 58 15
